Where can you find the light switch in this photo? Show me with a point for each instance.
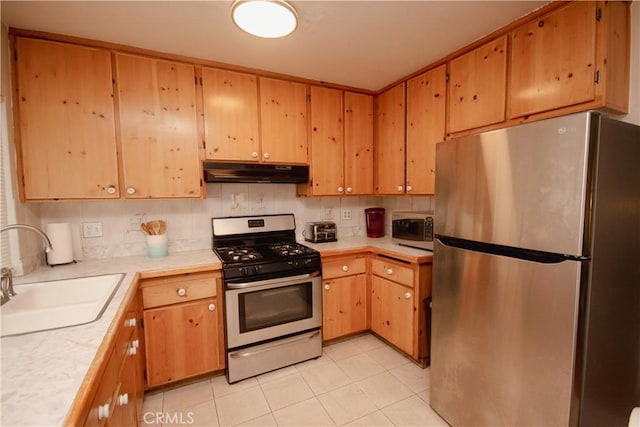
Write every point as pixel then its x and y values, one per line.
pixel 92 229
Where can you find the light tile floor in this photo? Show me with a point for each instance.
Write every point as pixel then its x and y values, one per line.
pixel 358 382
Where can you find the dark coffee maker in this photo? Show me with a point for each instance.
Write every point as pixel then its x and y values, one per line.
pixel 375 222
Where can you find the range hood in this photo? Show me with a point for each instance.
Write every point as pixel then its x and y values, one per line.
pixel 254 172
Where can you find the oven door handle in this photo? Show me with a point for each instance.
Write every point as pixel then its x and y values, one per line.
pixel 280 281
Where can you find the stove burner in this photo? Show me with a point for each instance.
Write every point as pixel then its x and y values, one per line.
pixel 239 254
pixel 288 249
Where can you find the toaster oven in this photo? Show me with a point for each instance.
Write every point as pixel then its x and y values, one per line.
pixel 414 229
pixel 318 232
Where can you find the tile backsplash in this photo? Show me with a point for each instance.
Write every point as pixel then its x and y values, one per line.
pixel 189 221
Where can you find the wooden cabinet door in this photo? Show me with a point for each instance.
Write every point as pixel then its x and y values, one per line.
pixel 392 313
pixel 358 143
pixel 327 144
pixel 158 128
pixel 553 60
pixel 283 121
pixel 344 306
pixel 182 341
pixel 426 109
pixel 390 154
pixel 124 412
pixel 105 393
pixel 67 141
pixel 477 87
pixel 230 115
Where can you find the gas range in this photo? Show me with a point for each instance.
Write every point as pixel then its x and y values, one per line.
pixel 256 248
pixel 273 294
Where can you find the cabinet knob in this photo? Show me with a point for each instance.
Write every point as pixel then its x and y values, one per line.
pixel 327 287
pixel 103 411
pixel 130 323
pixel 389 271
pixel 266 155
pixel 135 343
pixel 132 351
pixel 340 189
pixel 254 154
pixel 111 189
pixel 123 399
pixel 212 307
pixel 345 268
pixel 349 190
pixel 409 188
pixel 407 295
pixel 400 188
pixel 182 292
pixel 131 190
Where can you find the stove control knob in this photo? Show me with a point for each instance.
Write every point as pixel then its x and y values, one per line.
pixel 257 268
pixel 244 271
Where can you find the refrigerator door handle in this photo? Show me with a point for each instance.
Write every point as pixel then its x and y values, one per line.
pixel 509 251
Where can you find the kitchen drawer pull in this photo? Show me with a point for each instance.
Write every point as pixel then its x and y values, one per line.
pixel 345 268
pixel 131 190
pixel 327 287
pixel 212 307
pixel 111 189
pixel 132 350
pixel 400 188
pixel 407 295
pixel 254 155
pixel 389 271
pixel 182 292
pixel 135 343
pixel 349 190
pixel 266 155
pixel 103 411
pixel 409 188
pixel 340 189
pixel 131 323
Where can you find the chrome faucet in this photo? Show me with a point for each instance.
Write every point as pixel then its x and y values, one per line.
pixel 47 242
pixel 6 283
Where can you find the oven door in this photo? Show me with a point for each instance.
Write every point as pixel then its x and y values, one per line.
pixel 267 309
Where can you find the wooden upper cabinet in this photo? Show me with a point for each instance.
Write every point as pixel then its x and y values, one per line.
pixel 553 60
pixel 158 128
pixel 65 121
pixel 390 145
pixel 358 143
pixel 283 120
pixel 327 141
pixel 230 115
pixel 477 87
pixel 426 109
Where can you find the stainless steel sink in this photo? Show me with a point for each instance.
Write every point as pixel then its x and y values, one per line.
pixel 56 304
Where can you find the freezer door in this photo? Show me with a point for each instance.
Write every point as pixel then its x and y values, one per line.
pixel 523 186
pixel 503 339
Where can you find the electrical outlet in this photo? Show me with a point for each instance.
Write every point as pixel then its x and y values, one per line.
pixel 346 214
pixel 92 229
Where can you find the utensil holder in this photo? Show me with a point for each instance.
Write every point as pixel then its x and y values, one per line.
pixel 157 246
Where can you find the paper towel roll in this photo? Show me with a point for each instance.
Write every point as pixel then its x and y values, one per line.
pixel 62 242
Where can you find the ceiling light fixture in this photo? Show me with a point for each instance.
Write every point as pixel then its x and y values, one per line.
pixel 264 18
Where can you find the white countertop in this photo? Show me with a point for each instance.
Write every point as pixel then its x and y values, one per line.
pixel 42 372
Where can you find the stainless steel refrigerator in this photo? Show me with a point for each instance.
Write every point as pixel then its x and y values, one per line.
pixel 536 291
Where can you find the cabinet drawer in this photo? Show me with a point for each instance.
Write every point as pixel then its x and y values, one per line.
pixel 393 271
pixel 176 289
pixel 343 267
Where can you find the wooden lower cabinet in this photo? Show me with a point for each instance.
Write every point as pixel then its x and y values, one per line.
pixel 183 326
pixel 345 306
pixel 392 312
pixel 398 313
pixel 119 388
pixel 344 296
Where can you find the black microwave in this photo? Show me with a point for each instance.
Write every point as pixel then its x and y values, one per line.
pixel 414 229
